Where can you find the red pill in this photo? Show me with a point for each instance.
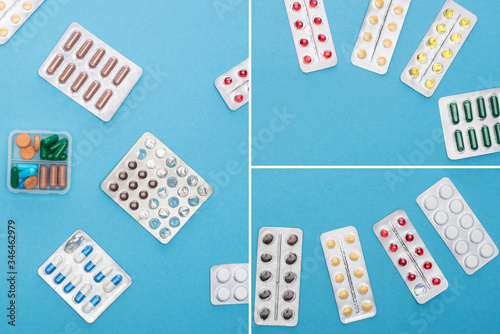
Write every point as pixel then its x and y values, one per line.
pixel 427 266
pixel 401 221
pixel 327 54
pixel 307 59
pixel 313 3
pixel 411 277
pixel 393 247
pixel 419 251
pixel 409 237
pixel 322 38
pixel 243 73
pixel 296 6
pixel 402 262
pixel 228 81
pixel 304 42
pixel 436 281
pixel 299 24
pixel 384 233
pixel 238 98
pixel 318 20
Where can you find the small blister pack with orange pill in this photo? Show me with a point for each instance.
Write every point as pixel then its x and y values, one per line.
pixel 90 72
pixel 39 162
pixel 277 285
pixel 234 85
pixel 159 190
pixel 311 34
pixel 347 270
pixel 471 123
pixel 439 47
pixel 457 225
pixel 379 34
pixel 85 276
pixel 13 14
pixel 229 284
pixel 409 255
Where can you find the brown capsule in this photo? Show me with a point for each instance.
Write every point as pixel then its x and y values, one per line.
pixel 108 68
pixel 265 294
pixel 53 176
pixel 152 184
pixel 121 75
pixel 84 49
pixel 96 59
pixel 132 165
pixel 264 313
pixel 142 174
pixel 287 314
pixel 288 295
pixel 124 196
pixel 267 239
pixel 91 91
pixel 104 99
pixel 133 185
pixel 75 36
pixel 68 71
pixel 113 187
pixel 266 257
pixel 291 258
pixel 143 194
pixel 79 82
pixel 292 240
pixel 54 65
pixel 289 277
pixel 44 173
pixel 123 175
pixel 134 205
pixel 61 176
pixel 265 275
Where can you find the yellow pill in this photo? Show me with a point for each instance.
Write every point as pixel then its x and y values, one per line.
pixel 414 72
pixel 373 19
pixel 354 256
pixel 387 43
pixel 448 13
pixel 465 23
pixel 330 243
pixel 335 261
pixel 421 57
pixel 363 289
pixel 358 273
pixel 456 37
pixel 2 5
pixel 350 238
pixel 381 61
pixel 432 42
pixel 437 68
pixel 3 32
pixel 379 3
pixel 347 310
pixel 441 28
pixel 361 54
pixel 27 6
pixel 339 278
pixel 343 294
pixel 392 26
pixel 15 19
pixel 367 306
pixel 398 10
pixel 429 83
pixel 447 54
pixel 367 36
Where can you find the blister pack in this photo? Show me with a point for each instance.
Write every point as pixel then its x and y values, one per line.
pixel 439 47
pixel 471 123
pixel 409 255
pixel 457 225
pixel 379 34
pixel 90 72
pixel 159 190
pixel 234 85
pixel 347 270
pixel 229 284
pixel 84 275
pixel 311 34
pixel 13 14
pixel 277 286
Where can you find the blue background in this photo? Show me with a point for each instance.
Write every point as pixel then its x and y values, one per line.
pixel 318 201
pixel 346 115
pixel 193 43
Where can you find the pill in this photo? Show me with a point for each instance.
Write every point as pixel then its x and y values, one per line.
pixel 77 279
pixel 96 59
pixel 330 243
pixel 104 99
pixel 23 166
pixel 62 157
pixel 363 289
pixel 367 306
pixel 264 313
pixel 398 10
pixel 49 141
pixel 82 293
pixel 473 139
pixel 486 136
pixel 54 146
pixel 15 19
pixel 111 285
pixel 291 258
pixel 79 82
pixel 459 140
pixel 387 43
pixel 241 293
pixel 381 61
pixel 471 261
pixel 72 40
pixel 92 304
pixel 468 111
pixel 350 238
pixel 53 264
pixel 60 150
pixel 68 71
pixel 335 261
pixel 343 294
pixel 456 206
pixel 451 232
pixel 481 107
pixel 291 240
pixel 441 217
pixel 465 23
pixel 223 294
pixel 367 36
pixel 241 275
pixel 53 176
pixel 461 247
pixel 379 3
pixel 23 140
pixel 494 106
pixel 54 65
pixel 486 250
pixel 339 278
pixel 373 19
pixel 347 310
pixel 103 273
pixel 27 6
pixel 36 145
pixel 108 68
pixel 392 26
pixel 497 132
pixel 27 173
pixel 354 256
pixel 358 273
pixel 4 32
pixel 476 236
pixel 223 275
pixel 84 49
pixel 446 191
pixel 14 177
pixel 466 221
pixel 27 153
pixel 65 271
pixel 30 182
pixel 121 75
pixel 44 173
pixel 454 113
pixel 95 261
pixel 431 203
pixel 89 94
pixel 61 176
pixel 79 257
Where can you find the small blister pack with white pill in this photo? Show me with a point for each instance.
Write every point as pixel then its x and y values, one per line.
pixel 439 47
pixel 13 14
pixel 457 225
pixel 409 255
pixel 311 34
pixel 229 284
pixel 157 188
pixel 277 285
pixel 347 270
pixel 84 275
pixel 234 85
pixel 90 72
pixel 471 123
pixel 379 34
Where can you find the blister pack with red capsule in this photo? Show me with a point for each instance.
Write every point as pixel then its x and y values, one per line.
pixel 311 34
pixel 234 85
pixel 411 258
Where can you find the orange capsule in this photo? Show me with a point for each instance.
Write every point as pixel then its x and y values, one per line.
pixel 121 75
pixel 54 65
pixel 96 59
pixel 53 176
pixel 75 36
pixel 104 99
pixel 82 52
pixel 44 174
pixel 61 176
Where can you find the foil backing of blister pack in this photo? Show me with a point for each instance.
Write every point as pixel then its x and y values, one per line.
pixel 410 256
pixel 234 85
pixel 13 14
pixel 457 225
pixel 348 273
pixel 229 284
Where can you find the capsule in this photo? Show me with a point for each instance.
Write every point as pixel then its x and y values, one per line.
pixel 103 273
pixel 61 176
pixel 21 183
pixel 497 132
pixel 54 65
pixel 93 263
pixel 121 76
pixel 468 111
pixel 54 147
pixel 108 68
pixel 459 139
pixel 23 166
pixel 494 106
pixel 49 141
pixel 60 150
pixel 43 177
pixel 44 152
pixel 473 139
pixel 91 91
pixel 53 176
pixel 92 304
pixel 96 59
pixel 111 285
pixel 56 261
pixel 79 257
pixel 68 71
pixel 104 99
pixel 75 36
pixel 77 279
pixel 65 271
pixel 14 177
pixel 486 136
pixel 79 82
pixel 481 107
pixel 82 293
pixel 455 118
pixel 84 49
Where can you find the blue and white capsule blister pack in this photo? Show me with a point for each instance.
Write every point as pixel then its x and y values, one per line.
pixel 234 85
pixel 84 275
pixel 457 225
pixel 439 47
pixel 347 270
pixel 229 284
pixel 13 14
pixel 409 255
pixel 311 34
pixel 379 34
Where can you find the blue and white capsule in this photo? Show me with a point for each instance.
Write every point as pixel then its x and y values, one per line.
pixel 65 271
pixel 79 257
pixel 111 285
pixel 84 291
pixel 92 304
pixel 56 261
pixel 106 270
pixel 93 262
pixel 75 280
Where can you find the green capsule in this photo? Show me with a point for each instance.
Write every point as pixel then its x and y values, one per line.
pixel 486 136
pixel 63 157
pixel 497 131
pixel 49 141
pixel 52 157
pixel 60 150
pixel 44 152
pixel 459 139
pixel 454 113
pixel 54 147
pixel 473 139
pixel 14 177
pixel 481 107
pixel 468 111
pixel 494 106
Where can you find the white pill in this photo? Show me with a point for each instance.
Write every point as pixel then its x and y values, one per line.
pixel 471 261
pixel 461 247
pixel 223 294
pixel 486 251
pixel 223 275
pixel 451 232
pixel 240 293
pixel 441 217
pixel 466 221
pixel 431 203
pixel 456 206
pixel 241 275
pixel 446 191
pixel 476 236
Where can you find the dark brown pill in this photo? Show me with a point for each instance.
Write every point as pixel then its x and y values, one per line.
pixel 264 313
pixel 104 99
pixel 265 294
pixel 113 186
pixel 108 68
pixel 265 275
pixel 143 194
pixel 68 71
pixel 61 176
pixel 134 205
pixel 70 43
pixel 96 59
pixel 79 82
pixel 142 174
pixel 289 277
pixel 91 91
pixel 267 239
pixel 53 176
pixel 123 175
pixel 133 185
pixel 266 257
pixel 288 295
pixel 152 184
pixel 291 258
pixel 121 75
pixel 292 240
pixel 132 165
pixel 124 196
pixel 54 65
pixel 44 175
pixel 84 49
pixel 287 314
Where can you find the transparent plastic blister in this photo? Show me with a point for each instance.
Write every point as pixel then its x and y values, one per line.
pixel 439 47
pixel 90 72
pixel 229 284
pixel 84 275
pixel 471 123
pixel 379 34
pixel 410 256
pixel 348 273
pixel 13 14
pixel 234 85
pixel 157 188
pixel 457 225
pixel 277 285
pixel 311 34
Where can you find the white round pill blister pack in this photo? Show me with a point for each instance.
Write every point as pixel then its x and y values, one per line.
pixel 229 284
